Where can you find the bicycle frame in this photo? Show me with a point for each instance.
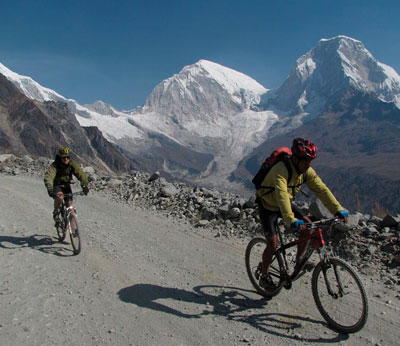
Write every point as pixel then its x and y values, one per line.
pixel 67 223
pixel 317 244
pixel 65 211
pixel 335 284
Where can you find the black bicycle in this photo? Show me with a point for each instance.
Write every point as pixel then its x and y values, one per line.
pixel 336 287
pixel 66 221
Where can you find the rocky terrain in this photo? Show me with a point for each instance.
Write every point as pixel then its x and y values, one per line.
pixel 163 263
pixel 371 243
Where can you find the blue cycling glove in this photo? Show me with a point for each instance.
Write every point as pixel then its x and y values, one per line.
pixel 342 214
pixel 297 224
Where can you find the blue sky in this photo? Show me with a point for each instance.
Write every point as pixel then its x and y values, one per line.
pixel 118 51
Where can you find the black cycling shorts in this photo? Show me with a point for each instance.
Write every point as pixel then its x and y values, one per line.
pixel 269 218
pixel 64 189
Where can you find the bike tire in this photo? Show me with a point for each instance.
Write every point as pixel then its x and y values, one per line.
pixel 61 234
pixel 74 234
pixel 254 251
pixel 345 313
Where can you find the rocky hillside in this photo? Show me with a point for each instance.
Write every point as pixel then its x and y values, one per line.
pixel 212 126
pixel 358 145
pixel 370 242
pixel 39 128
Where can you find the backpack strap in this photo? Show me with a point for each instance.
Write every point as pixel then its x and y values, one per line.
pixel 289 168
pixel 290 175
pixel 285 160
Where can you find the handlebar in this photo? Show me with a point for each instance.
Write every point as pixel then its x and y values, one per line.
pixel 331 220
pixel 78 193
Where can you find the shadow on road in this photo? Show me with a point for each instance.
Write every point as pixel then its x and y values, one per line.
pixel 230 302
pixel 39 242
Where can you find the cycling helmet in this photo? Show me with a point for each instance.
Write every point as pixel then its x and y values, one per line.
pixel 304 149
pixel 64 151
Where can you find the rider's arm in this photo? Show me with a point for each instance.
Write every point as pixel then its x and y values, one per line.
pixel 80 174
pixel 321 191
pixel 283 197
pixel 49 177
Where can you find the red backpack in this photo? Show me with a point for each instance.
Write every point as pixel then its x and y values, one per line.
pixel 281 154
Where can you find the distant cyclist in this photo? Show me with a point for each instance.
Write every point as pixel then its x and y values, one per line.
pixel 59 175
pixel 278 203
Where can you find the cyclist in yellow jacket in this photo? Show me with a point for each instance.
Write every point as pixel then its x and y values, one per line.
pixel 59 175
pixel 277 193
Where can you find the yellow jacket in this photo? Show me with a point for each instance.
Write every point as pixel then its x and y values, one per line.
pixel 283 192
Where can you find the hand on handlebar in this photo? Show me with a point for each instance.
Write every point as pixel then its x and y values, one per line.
pixel 298 225
pixel 343 215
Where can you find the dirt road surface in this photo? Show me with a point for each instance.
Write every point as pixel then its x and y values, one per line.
pixel 145 279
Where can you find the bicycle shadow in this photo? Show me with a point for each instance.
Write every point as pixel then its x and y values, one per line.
pixel 233 303
pixel 40 242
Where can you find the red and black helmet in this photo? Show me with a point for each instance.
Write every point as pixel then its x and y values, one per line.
pixel 304 149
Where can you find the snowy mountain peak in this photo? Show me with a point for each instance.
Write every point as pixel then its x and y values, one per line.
pixel 102 108
pixel 233 81
pixel 205 88
pixel 29 87
pixel 329 69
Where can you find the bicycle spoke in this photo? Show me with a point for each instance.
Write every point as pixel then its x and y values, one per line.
pixel 345 308
pixel 74 234
pixel 254 253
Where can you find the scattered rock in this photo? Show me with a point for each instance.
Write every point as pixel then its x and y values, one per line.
pixel 368 242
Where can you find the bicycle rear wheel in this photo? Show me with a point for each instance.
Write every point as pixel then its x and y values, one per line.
pixel 346 307
pixel 74 234
pixel 253 257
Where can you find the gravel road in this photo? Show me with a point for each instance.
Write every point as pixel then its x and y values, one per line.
pixel 145 279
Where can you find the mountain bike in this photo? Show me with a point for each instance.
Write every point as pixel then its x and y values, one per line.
pixel 336 287
pixel 66 221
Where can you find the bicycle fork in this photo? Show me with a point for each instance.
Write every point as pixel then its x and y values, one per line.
pixel 326 265
pixel 69 210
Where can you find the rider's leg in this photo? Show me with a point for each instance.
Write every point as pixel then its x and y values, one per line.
pixel 304 233
pixel 57 200
pixel 69 203
pixel 268 253
pixel 268 220
pixel 302 247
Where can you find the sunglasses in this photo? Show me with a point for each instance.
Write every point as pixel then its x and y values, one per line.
pixel 307 160
pixel 65 157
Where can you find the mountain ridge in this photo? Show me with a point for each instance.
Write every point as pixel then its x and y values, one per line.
pixel 207 122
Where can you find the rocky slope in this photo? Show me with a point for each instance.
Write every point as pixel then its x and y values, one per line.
pixel 212 126
pixel 144 278
pixel 370 243
pixel 39 128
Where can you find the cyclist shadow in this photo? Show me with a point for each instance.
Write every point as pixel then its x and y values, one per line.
pixel 230 302
pixel 39 242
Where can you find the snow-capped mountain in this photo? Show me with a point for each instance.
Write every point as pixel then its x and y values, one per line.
pixel 28 126
pixel 207 107
pixel 204 110
pixel 204 89
pixel 321 76
pixel 200 123
pixel 29 87
pixel 344 100
pixel 202 115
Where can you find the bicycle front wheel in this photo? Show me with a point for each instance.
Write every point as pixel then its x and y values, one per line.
pixel 340 296
pixel 74 234
pixel 254 252
pixel 60 227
